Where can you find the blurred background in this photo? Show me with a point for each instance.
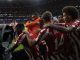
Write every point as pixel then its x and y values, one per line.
pixel 21 10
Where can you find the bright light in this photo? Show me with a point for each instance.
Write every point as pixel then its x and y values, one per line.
pixel 37 0
pixel 10 0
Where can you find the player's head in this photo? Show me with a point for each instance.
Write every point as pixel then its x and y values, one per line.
pixel 70 13
pixel 47 16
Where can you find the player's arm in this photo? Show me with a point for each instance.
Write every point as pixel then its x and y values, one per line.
pixel 62 28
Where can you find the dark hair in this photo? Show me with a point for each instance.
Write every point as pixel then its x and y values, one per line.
pixel 72 11
pixel 47 16
pixel 19 27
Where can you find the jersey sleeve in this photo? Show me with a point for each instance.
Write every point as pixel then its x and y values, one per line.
pixel 41 33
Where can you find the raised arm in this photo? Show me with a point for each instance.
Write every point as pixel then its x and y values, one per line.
pixel 62 28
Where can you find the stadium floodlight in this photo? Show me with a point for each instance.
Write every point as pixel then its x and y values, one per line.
pixel 10 0
pixel 37 0
pixel 34 0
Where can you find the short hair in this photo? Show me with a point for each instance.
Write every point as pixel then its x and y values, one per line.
pixel 47 16
pixel 72 11
pixel 20 27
